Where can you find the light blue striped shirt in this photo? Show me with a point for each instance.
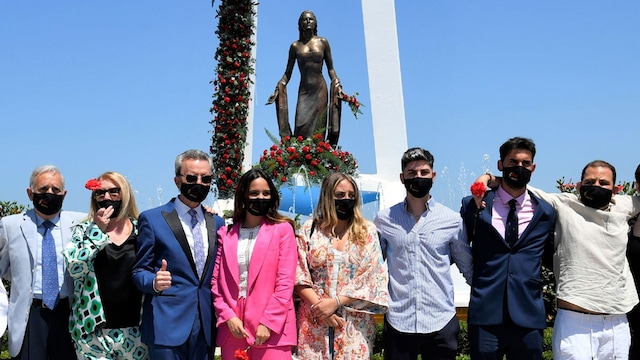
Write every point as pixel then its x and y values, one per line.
pixel 419 255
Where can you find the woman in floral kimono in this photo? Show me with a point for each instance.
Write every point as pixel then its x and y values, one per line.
pixel 341 277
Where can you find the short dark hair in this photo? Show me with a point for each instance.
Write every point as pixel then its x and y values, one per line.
pixel 415 154
pixel 638 174
pixel 600 163
pixel 519 143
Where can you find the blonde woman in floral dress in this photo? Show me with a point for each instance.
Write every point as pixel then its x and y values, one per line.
pixel 341 277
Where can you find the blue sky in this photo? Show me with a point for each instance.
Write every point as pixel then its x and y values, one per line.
pixel 93 86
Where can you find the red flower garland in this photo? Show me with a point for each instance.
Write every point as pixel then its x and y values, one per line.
pixel 231 92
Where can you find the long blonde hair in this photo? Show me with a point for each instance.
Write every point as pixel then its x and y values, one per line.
pixel 325 216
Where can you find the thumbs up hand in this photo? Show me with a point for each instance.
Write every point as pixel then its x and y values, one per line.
pixel 162 280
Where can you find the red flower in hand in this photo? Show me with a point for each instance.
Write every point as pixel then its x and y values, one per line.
pixel 241 354
pixel 478 189
pixel 353 102
pixel 93 184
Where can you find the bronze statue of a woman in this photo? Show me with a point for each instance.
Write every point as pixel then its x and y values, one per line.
pixel 312 112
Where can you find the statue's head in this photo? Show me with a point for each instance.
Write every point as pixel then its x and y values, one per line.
pixel 307 17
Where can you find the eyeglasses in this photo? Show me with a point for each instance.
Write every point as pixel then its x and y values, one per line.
pixel 206 179
pixel 101 192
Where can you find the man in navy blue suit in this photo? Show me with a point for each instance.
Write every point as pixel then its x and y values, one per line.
pixel 175 255
pixel 510 238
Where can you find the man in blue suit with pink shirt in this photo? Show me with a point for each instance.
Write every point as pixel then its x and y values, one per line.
pixel 175 255
pixel 510 237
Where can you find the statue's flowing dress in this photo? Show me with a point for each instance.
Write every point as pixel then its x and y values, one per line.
pixel 311 109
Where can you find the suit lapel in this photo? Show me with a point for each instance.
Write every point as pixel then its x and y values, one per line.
pixel 488 217
pixel 66 224
pixel 537 213
pixel 173 220
pixel 29 228
pixel 210 224
pixel 230 247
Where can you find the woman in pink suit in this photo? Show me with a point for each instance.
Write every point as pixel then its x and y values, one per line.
pixel 254 274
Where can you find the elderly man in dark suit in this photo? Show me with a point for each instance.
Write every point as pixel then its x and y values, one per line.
pixel 510 237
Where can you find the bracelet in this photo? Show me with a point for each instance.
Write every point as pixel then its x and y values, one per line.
pixel 489 181
pixel 338 301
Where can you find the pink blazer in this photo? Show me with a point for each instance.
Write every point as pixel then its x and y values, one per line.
pixel 272 271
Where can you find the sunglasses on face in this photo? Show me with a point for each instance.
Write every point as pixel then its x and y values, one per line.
pixel 206 179
pixel 101 192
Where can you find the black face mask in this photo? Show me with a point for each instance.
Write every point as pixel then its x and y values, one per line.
pixel 47 203
pixel 258 207
pixel 418 187
pixel 516 177
pixel 344 208
pixel 116 204
pixel 194 192
pixel 595 196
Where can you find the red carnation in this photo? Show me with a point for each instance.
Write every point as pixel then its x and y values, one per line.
pixel 478 188
pixel 241 355
pixel 93 184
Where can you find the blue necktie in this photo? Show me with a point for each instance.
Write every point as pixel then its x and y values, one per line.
pixel 511 227
pixel 50 286
pixel 198 244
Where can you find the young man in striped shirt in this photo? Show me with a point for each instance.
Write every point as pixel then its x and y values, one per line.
pixel 420 238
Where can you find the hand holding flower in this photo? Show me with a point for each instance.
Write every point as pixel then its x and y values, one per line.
pixel 478 189
pixel 262 334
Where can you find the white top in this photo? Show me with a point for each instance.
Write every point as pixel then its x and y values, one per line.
pixel 246 242
pixel 590 261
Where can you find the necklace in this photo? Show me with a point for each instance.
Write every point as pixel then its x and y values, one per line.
pixel 339 234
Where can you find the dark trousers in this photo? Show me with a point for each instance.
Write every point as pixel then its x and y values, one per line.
pixel 634 325
pixel 492 342
pixel 195 348
pixel 439 345
pixel 47 334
